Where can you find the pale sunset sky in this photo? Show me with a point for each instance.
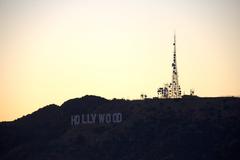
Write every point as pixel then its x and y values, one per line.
pixel 55 50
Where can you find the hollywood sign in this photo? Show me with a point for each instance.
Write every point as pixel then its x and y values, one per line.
pixel 96 118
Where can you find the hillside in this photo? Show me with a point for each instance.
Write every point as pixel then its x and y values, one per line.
pixel 94 128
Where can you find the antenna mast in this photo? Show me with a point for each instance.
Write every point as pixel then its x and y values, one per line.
pixel 175 90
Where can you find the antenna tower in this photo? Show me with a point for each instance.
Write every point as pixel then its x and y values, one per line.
pixel 175 89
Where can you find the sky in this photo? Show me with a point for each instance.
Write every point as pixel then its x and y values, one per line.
pixel 55 50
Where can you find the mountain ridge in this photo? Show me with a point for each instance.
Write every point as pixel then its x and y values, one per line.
pixel 187 128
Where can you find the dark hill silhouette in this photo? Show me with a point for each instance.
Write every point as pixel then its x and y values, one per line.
pixel 190 128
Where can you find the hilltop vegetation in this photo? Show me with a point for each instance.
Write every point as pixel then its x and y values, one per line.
pixel 151 129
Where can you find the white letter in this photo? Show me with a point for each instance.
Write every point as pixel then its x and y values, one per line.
pixel 101 118
pixel 75 120
pixel 108 118
pixel 83 121
pixel 93 117
pixel 118 117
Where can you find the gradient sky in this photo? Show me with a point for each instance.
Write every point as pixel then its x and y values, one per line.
pixel 54 50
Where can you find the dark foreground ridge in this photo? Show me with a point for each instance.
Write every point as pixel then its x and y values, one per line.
pixel 151 129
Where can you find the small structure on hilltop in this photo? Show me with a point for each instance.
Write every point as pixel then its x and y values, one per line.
pixel 192 92
pixel 143 96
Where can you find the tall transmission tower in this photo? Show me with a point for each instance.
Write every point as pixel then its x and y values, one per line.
pixel 172 90
pixel 175 89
